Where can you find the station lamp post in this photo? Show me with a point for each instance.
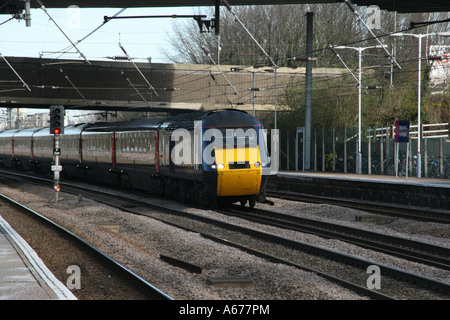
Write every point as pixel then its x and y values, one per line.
pixel 359 50
pixel 419 87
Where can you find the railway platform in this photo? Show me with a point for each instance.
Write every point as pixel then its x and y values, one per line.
pixel 402 180
pixel 23 275
pixel 410 191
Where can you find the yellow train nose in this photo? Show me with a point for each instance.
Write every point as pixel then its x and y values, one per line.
pixel 237 174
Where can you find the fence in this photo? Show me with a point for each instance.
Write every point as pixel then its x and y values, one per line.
pixel 335 150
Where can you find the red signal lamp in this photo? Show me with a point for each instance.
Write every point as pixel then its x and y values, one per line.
pixel 57 131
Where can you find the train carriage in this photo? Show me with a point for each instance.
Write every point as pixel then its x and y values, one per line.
pixel 201 157
pixel 6 148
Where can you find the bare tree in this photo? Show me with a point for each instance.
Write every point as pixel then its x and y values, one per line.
pixel 280 29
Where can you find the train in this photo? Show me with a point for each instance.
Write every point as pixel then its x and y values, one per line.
pixel 202 157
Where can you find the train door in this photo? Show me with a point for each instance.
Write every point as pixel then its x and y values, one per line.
pixel 157 151
pixel 113 151
pixel 171 163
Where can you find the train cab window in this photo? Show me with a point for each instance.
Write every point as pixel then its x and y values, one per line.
pixel 231 138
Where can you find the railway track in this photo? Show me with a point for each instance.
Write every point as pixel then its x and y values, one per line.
pixel 102 277
pixel 412 199
pixel 408 212
pixel 433 255
pixel 347 270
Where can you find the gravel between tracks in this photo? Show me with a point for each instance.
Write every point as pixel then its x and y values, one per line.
pixel 141 240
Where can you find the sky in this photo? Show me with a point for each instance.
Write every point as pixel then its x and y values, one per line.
pixel 142 38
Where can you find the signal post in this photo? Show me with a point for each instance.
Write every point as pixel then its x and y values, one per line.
pixel 56 128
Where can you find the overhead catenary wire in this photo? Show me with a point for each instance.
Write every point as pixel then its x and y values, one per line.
pixel 334 77
pixel 235 83
pixel 342 76
pixel 7 20
pixel 371 32
pixel 315 50
pixel 275 66
pixel 413 26
pixel 187 92
pixel 62 31
pixel 230 9
pixel 319 80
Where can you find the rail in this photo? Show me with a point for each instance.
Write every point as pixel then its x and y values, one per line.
pixel 148 289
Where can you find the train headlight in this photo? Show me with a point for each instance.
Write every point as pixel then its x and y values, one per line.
pixel 213 166
pixel 221 166
pixel 257 164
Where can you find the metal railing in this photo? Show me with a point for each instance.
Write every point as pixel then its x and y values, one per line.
pixel 335 150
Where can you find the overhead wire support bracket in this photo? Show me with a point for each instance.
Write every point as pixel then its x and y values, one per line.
pixel 93 31
pixel 140 72
pixel 173 16
pixel 16 73
pixel 65 35
pixel 212 60
pixel 73 85
pixel 133 86
pixel 225 95
pixel 350 5
pixel 353 75
pixel 209 24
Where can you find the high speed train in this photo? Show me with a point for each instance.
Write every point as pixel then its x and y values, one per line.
pixel 201 157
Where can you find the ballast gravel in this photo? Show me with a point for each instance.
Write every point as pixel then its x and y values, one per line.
pixel 139 242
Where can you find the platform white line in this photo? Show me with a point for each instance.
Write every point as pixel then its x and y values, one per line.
pixel 61 291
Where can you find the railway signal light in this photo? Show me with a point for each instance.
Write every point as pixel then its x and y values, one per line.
pixel 56 120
